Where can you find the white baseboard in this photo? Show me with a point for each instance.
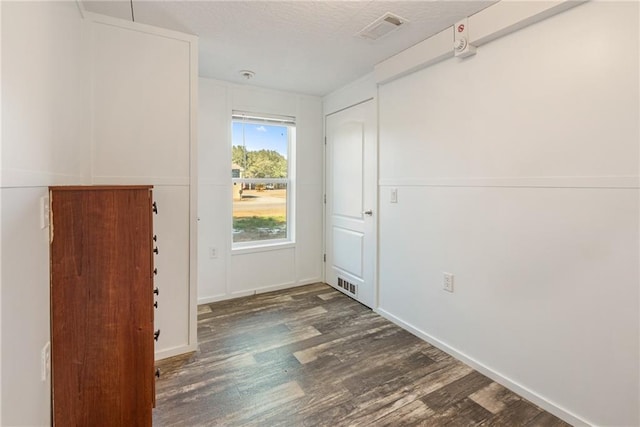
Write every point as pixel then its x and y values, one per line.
pixel 523 391
pixel 254 291
pixel 310 281
pixel 175 351
pixel 214 298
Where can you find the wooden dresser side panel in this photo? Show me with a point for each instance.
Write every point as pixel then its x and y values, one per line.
pixel 101 307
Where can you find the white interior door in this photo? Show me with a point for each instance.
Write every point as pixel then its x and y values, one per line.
pixel 351 174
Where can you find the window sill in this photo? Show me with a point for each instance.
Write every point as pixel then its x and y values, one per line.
pixel 262 247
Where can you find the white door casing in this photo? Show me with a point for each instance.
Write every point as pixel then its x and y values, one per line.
pixel 351 207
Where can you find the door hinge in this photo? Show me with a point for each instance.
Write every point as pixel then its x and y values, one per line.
pixel 324 198
pixel 324 258
pixel 325 140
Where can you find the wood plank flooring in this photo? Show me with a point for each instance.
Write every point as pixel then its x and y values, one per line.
pixel 311 356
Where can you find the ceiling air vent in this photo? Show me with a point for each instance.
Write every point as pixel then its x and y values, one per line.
pixel 382 26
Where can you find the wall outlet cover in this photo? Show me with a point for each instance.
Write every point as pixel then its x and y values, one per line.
pixel 45 364
pixel 44 212
pixel 213 253
pixel 447 282
pixel 394 195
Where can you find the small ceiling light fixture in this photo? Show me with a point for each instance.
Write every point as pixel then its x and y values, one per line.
pixel 383 26
pixel 247 74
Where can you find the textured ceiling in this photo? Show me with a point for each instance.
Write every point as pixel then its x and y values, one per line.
pixel 304 46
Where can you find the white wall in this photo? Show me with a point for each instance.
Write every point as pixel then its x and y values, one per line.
pixel 45 137
pixel 44 88
pixel 144 90
pixel 517 170
pixel 234 274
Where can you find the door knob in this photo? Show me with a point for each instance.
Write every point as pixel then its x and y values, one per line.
pixel 368 213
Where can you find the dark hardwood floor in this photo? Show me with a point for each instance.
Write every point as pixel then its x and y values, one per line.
pixel 310 356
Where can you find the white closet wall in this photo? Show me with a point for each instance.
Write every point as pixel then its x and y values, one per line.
pixel 144 90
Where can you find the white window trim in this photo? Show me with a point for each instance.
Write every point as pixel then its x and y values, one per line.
pixel 290 241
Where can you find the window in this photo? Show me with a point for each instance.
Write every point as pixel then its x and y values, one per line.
pixel 262 179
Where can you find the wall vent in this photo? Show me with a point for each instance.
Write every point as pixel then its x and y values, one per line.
pixel 382 27
pixel 348 286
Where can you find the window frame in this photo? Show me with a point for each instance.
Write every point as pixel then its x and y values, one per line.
pixel 270 120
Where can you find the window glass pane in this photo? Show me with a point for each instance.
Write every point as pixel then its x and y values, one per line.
pixel 259 211
pixel 260 172
pixel 259 151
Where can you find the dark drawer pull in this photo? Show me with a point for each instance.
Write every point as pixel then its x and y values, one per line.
pixel 155 237
pixel 155 304
pixel 157 372
pixel 156 291
pixel 155 208
pixel 155 271
pixel 156 335
pixel 155 250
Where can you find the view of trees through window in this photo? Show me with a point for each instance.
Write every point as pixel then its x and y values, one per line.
pixel 260 164
pixel 260 177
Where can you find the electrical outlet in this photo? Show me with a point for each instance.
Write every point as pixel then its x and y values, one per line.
pixel 45 361
pixel 44 212
pixel 447 282
pixel 213 252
